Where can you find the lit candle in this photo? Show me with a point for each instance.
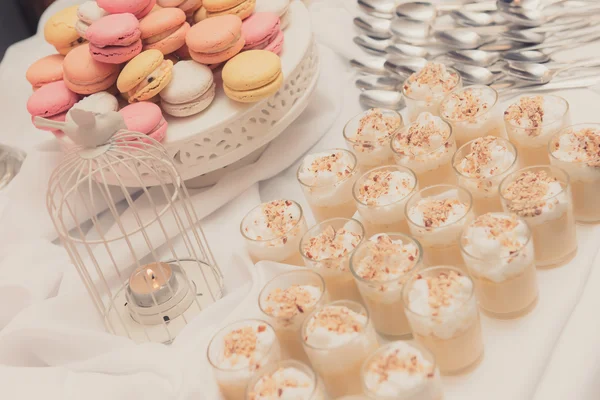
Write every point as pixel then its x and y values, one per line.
pixel 153 284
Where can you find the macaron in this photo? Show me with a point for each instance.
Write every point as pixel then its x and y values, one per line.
pixel 51 101
pixel 240 8
pixel 139 8
pixel 45 70
pixel 216 40
pixel 252 76
pixel 115 39
pixel 164 30
pixel 262 31
pixel 191 90
pixel 189 7
pixel 88 13
pixel 279 7
pixel 145 76
pixel 85 75
pixel 60 30
pixel 146 118
pixel 169 3
pixel 200 15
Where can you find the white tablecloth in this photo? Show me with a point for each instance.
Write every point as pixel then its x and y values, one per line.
pixel 53 344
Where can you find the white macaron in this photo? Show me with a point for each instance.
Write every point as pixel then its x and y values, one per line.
pixel 190 91
pixel 88 13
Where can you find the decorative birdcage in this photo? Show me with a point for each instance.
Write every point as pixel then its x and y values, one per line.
pixel 141 253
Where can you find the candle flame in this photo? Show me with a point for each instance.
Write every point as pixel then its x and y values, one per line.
pixel 152 277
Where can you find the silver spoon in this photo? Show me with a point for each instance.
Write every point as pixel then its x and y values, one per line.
pixel 533 53
pixel 379 82
pixel 537 17
pixel 404 66
pixel 412 32
pixel 370 65
pixel 477 75
pixel 378 8
pixel 552 31
pixel 474 57
pixel 540 73
pixel 374 27
pixel 407 50
pixel 373 46
pixel 463 39
pixel 426 11
pixel 392 100
pixel 474 18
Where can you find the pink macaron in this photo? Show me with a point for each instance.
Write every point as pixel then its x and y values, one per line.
pixel 139 8
pixel 52 101
pixel 45 70
pixel 147 118
pixel 215 40
pixel 115 39
pixel 164 30
pixel 262 31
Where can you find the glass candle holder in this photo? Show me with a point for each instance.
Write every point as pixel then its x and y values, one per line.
pixel 327 179
pixel 436 217
pixel 278 379
pixel 381 266
pixel 285 301
pixel 429 155
pixel 327 248
pixel 541 195
pixel 272 231
pixel 421 95
pixel 368 136
pixel 575 150
pixel 480 166
pixel 337 355
pixel 233 365
pixel 443 314
pixel 530 124
pixel 498 252
pixel 381 195
pixel 402 371
pixel 472 112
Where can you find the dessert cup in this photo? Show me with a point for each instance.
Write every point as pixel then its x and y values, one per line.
pixel 575 150
pixel 472 112
pixel 401 371
pixel 541 195
pixel 327 179
pixel 426 146
pixel 381 266
pixel 337 355
pixel 272 231
pixel 285 301
pixel 424 90
pixel 436 217
pixel 530 124
pixel 327 248
pixel 480 165
pixel 498 252
pixel 442 311
pixel 368 136
pixel 278 379
pixel 238 351
pixel 381 195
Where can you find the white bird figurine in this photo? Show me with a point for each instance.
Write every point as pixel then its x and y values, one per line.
pixel 87 128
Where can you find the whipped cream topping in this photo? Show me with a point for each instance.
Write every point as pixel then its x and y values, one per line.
pixel 386 259
pixel 425 135
pixel 292 301
pixel 433 80
pixel 383 187
pixel 333 326
pixel 245 347
pixel 537 116
pixel 286 383
pixel 375 127
pixel 272 220
pixel 326 168
pixel 578 146
pixel 534 194
pixel 438 211
pixel 467 104
pixel 400 369
pixel 489 157
pixel 498 240
pixel 332 244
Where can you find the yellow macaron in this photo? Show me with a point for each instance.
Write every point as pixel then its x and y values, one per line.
pixel 241 8
pixel 60 30
pixel 252 76
pixel 145 76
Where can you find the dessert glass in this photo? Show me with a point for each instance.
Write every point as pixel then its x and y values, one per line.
pixel 238 351
pixel 472 112
pixel 498 251
pixel 480 165
pixel 443 314
pixel 381 266
pixel 402 371
pixel 272 231
pixel 541 195
pixel 285 301
pixel 337 354
pixel 530 124
pixel 368 136
pixel 424 90
pixel 436 217
pixel 426 146
pixel 575 150
pixel 274 380
pixel 381 195
pixel 327 248
pixel 327 179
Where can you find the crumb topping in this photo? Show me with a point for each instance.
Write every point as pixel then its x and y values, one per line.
pixel 441 289
pixel 432 75
pixel 380 183
pixel 336 319
pixel 418 137
pixel 241 343
pixel 325 164
pixel 278 219
pixel 377 267
pixel 376 122
pixel 437 211
pixel 274 385
pixel 585 145
pixel 399 361
pixel 466 106
pixel 291 301
pixel 480 157
pixel 500 229
pixel 527 193
pixel 530 109
pixel 331 244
